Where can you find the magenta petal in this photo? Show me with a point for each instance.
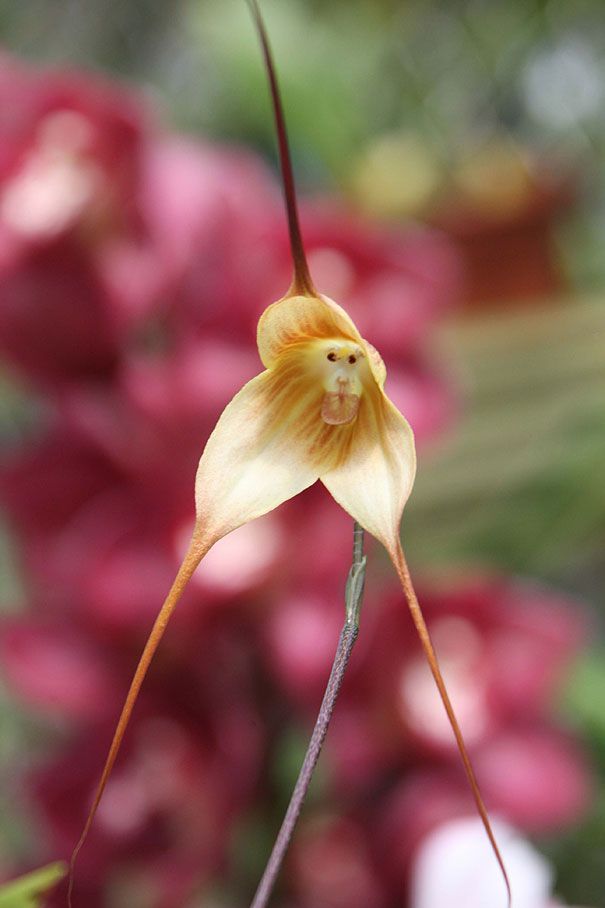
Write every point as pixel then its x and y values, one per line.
pixel 55 669
pixel 537 777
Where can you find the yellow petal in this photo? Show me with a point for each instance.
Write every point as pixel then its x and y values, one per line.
pixel 373 482
pixel 269 444
pixel 299 319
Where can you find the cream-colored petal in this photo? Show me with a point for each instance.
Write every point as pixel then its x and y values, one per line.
pixel 269 444
pixel 297 320
pixel 376 363
pixel 373 482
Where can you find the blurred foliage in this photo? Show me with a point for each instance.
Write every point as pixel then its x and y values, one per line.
pixel 524 465
pixel 28 890
pixel 578 853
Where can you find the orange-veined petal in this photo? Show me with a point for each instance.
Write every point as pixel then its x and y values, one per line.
pixel 269 444
pixel 297 319
pixel 375 479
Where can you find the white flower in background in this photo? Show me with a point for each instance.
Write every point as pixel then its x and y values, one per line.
pixel 564 85
pixel 455 868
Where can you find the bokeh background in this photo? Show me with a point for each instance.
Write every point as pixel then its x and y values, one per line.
pixel 450 162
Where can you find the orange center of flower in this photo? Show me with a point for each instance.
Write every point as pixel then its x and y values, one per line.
pixel 342 382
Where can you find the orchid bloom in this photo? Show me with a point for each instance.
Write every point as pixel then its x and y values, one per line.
pixel 318 411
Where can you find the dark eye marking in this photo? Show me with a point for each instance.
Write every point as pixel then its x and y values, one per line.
pixel 332 357
pixel 352 359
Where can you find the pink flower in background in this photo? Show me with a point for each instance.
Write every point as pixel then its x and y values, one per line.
pixel 59 669
pixel 70 157
pixel 70 153
pixel 169 811
pixel 504 646
pixel 331 865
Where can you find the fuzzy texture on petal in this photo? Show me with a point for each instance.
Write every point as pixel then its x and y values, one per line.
pixel 269 444
pixel 299 319
pixel 374 481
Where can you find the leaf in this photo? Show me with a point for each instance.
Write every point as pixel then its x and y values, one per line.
pixel 29 890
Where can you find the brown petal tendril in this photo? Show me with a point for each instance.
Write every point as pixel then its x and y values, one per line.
pixel 196 551
pixel 302 285
pixel 402 569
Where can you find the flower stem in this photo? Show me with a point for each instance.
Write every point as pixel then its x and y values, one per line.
pixel 348 636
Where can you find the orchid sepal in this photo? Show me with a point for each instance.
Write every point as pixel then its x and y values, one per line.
pixel 318 411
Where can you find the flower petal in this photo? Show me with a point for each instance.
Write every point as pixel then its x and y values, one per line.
pixel 376 363
pixel 375 479
pixel 269 444
pixel 297 319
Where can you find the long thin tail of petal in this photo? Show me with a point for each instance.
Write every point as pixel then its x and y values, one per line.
pixel 302 284
pixel 196 551
pixel 402 569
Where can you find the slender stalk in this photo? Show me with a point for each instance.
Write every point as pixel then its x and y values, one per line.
pixel 348 636
pixel 196 551
pixel 302 282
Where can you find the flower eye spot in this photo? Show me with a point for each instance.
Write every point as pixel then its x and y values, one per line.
pixel 352 359
pixel 332 357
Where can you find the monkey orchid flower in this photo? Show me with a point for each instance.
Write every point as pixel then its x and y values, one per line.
pixel 318 411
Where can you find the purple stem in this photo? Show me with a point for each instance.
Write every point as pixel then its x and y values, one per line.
pixel 348 636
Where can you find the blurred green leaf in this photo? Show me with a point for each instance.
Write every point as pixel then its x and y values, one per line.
pixel 28 890
pixel 582 699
